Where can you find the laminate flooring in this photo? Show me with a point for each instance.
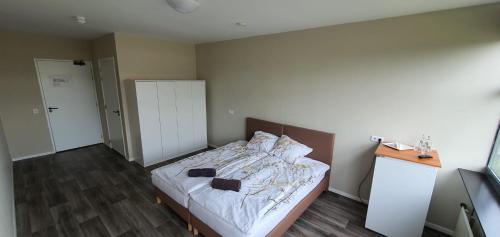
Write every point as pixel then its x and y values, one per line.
pixel 93 191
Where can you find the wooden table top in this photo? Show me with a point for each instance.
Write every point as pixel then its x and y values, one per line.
pixel 408 155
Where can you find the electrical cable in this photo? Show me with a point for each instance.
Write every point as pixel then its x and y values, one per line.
pixel 366 176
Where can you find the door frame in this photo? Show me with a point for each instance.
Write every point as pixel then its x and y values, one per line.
pixel 45 109
pixel 106 105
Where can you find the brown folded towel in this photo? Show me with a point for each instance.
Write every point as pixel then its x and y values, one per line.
pixel 206 172
pixel 226 184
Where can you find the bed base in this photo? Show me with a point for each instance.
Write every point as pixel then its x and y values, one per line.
pixel 161 197
pixel 279 230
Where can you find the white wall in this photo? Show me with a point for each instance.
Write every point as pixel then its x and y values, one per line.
pixel 7 217
pixel 435 73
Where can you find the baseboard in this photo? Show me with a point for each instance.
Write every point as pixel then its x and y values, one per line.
pixel 439 228
pixel 131 159
pixel 347 195
pixel 183 154
pixel 212 145
pixel 32 156
pixel 356 198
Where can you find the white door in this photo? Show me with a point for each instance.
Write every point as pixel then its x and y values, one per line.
pixel 109 85
pixel 168 118
pixel 184 104
pixel 199 114
pixel 149 122
pixel 71 103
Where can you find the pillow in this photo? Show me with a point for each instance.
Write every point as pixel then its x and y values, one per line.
pixel 262 141
pixel 289 149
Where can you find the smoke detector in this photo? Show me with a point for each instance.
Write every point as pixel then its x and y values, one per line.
pixel 80 19
pixel 184 6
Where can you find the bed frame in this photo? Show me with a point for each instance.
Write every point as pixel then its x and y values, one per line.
pixel 322 144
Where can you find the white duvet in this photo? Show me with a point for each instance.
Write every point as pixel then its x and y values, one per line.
pixel 225 159
pixel 266 185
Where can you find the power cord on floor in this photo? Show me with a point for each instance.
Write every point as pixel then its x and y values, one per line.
pixel 366 176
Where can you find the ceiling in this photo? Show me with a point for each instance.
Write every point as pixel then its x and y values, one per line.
pixel 214 20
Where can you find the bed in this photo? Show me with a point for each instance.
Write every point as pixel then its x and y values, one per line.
pixel 275 224
pixel 173 186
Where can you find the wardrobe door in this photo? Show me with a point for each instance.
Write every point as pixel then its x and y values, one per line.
pixel 168 118
pixel 199 114
pixel 149 122
pixel 184 106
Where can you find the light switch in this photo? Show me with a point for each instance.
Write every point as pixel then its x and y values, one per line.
pixel 36 111
pixel 231 111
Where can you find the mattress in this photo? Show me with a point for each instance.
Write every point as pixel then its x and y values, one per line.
pixel 221 210
pixel 164 185
pixel 172 179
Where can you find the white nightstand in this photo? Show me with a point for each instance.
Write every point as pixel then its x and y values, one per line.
pixel 401 192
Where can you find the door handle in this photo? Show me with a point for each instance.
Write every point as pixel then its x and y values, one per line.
pixel 117 112
pixel 51 109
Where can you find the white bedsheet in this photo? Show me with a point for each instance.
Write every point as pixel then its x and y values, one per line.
pixel 173 180
pixel 270 189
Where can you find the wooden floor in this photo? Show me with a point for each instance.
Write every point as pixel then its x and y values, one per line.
pixel 92 191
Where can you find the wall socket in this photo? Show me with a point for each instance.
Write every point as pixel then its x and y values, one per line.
pixel 375 138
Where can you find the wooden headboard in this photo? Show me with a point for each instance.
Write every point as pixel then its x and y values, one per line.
pixel 254 125
pixel 320 142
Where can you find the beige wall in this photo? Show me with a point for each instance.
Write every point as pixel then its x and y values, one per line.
pixel 136 58
pixel 8 218
pixel 148 58
pixel 436 73
pixel 28 134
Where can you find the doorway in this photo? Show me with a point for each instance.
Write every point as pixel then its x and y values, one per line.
pixel 70 101
pixel 109 84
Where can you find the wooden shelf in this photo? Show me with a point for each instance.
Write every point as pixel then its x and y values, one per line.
pixel 408 155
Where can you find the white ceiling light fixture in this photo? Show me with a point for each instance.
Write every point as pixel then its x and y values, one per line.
pixel 184 6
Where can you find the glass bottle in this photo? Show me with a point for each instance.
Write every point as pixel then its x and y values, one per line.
pixel 421 145
pixel 428 144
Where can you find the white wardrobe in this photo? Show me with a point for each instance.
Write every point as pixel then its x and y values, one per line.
pixel 172 118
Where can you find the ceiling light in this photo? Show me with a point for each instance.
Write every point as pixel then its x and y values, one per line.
pixel 242 24
pixel 184 6
pixel 80 19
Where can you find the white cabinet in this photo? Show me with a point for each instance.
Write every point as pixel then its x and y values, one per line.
pixel 401 192
pixel 185 121
pixel 151 136
pixel 172 118
pixel 168 118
